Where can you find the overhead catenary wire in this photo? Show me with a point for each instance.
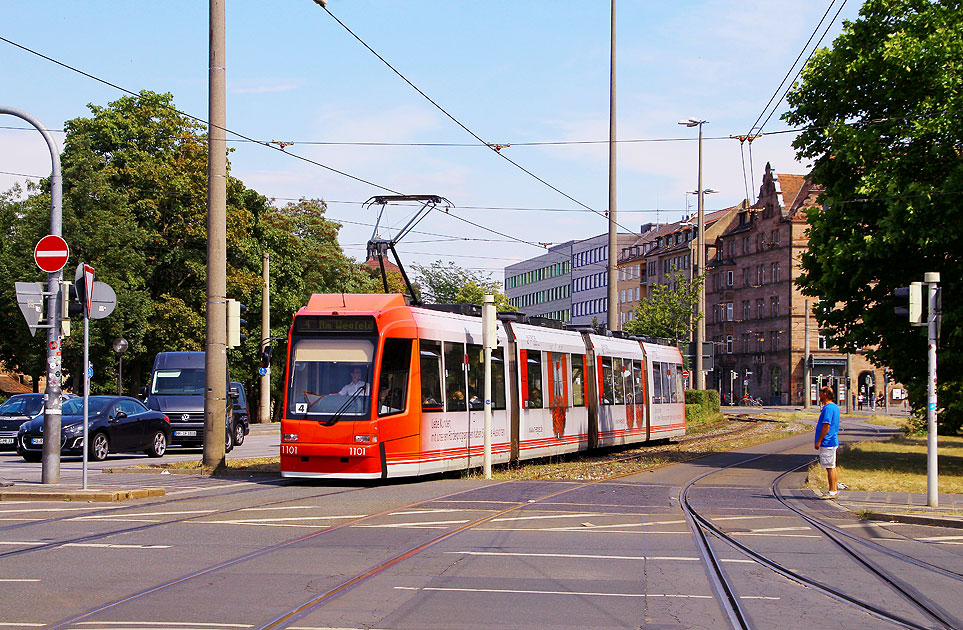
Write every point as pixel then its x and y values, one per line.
pixel 238 134
pixel 494 147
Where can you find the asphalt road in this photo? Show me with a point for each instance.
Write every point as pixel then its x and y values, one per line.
pixel 442 552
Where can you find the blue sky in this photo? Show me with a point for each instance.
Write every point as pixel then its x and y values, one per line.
pixel 511 71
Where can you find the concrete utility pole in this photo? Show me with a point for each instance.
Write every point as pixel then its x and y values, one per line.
pixel 489 341
pixel 808 374
pixel 215 395
pixel 50 472
pixel 613 293
pixel 932 279
pixel 699 263
pixel 265 411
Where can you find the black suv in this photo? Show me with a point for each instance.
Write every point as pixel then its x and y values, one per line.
pixel 241 423
pixel 19 409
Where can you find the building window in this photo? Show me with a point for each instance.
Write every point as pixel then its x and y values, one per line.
pixel 746 310
pixel 760 275
pixel 822 341
pixel 745 276
pixel 760 308
pixel 729 275
pixel 728 344
pixel 729 312
pixel 775 237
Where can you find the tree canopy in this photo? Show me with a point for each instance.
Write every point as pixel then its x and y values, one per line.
pixel 447 283
pixel 135 208
pixel 883 111
pixel 669 311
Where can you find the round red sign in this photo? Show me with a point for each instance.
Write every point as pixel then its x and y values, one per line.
pixel 51 253
pixel 685 373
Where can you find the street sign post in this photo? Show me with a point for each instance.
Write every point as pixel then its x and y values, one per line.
pixel 51 253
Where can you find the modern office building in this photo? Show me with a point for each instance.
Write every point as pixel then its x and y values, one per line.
pixel 542 285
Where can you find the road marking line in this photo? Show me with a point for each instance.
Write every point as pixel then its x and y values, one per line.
pixel 253 524
pixel 116 546
pixel 22 542
pixel 416 524
pixel 782 535
pixel 534 518
pixel 528 592
pixel 13 624
pixel 432 511
pixel 64 509
pixel 777 529
pixel 19 580
pixel 941 538
pixel 96 517
pixel 164 623
pixel 279 520
pixel 589 556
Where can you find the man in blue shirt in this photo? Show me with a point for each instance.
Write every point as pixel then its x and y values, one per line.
pixel 827 438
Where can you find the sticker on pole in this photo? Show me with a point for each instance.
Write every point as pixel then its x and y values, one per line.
pixel 51 253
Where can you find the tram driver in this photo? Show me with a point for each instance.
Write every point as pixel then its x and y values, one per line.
pixel 357 383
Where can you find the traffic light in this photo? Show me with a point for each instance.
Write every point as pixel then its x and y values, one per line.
pixel 266 356
pixel 914 293
pixel 69 305
pixel 235 323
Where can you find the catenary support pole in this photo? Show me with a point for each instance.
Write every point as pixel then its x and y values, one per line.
pixel 932 279
pixel 264 414
pixel 50 471
pixel 700 336
pixel 808 374
pixel 489 341
pixel 612 306
pixel 215 363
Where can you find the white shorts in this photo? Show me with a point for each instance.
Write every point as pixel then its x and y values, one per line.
pixel 827 456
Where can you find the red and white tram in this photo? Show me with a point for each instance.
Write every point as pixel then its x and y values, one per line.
pixel 376 388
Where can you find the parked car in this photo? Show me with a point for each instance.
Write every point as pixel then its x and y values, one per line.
pixel 116 424
pixel 15 411
pixel 241 422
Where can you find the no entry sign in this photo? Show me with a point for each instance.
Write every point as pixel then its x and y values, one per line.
pixel 685 373
pixel 51 253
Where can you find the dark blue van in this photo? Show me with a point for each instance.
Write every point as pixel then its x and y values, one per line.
pixel 176 388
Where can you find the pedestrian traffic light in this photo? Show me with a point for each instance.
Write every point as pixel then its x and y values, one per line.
pixel 266 357
pixel 914 310
pixel 235 323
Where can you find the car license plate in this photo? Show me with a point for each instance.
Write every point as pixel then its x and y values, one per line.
pixel 6 440
pixel 185 433
pixel 36 441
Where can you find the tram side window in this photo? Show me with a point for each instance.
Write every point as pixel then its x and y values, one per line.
pixel 393 384
pixel 619 378
pixel 668 385
pixel 476 377
pixel 431 376
pixel 608 395
pixel 657 383
pixel 578 380
pixel 533 367
pixel 455 377
pixel 678 391
pixel 498 378
pixel 637 382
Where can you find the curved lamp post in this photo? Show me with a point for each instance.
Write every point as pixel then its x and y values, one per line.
pixel 120 347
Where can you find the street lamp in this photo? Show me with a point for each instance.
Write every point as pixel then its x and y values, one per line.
pixel 698 268
pixel 120 347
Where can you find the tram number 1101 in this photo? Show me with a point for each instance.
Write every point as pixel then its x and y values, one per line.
pixel 289 449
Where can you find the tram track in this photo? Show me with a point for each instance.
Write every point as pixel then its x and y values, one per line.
pixel 739 618
pixel 726 595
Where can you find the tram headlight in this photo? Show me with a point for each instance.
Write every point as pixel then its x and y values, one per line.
pixel 289 437
pixel 365 439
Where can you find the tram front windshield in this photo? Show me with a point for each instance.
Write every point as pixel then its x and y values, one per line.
pixel 330 377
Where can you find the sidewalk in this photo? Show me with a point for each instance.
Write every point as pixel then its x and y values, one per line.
pixel 904 507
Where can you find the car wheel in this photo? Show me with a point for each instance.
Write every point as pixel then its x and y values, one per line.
pixel 31 457
pixel 99 447
pixel 228 440
pixel 238 434
pixel 158 445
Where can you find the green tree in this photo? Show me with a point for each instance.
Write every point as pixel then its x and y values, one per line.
pixel 669 311
pixel 443 283
pixel 135 208
pixel 883 111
